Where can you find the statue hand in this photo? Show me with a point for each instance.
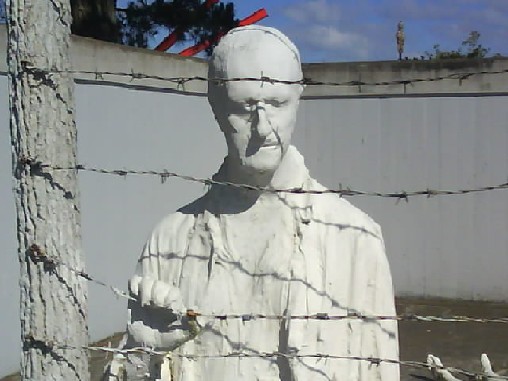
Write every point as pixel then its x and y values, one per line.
pixel 152 292
pixel 157 318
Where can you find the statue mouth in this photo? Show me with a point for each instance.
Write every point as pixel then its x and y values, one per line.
pixel 262 145
pixel 270 144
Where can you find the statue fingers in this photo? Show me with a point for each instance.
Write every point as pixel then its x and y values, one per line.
pixel 134 285
pixel 173 299
pixel 145 290
pixel 159 292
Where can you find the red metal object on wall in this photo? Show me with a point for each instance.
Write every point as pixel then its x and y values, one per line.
pixel 259 15
pixel 170 40
pixel 252 19
pixel 173 37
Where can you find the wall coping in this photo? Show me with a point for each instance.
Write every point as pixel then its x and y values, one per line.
pixel 365 79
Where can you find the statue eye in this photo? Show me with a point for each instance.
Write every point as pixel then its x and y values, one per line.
pixel 239 107
pixel 250 105
pixel 276 102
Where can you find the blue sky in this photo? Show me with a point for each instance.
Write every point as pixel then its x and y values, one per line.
pixel 359 30
pixel 356 30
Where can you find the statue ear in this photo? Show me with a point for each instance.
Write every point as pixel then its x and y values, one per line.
pixel 300 89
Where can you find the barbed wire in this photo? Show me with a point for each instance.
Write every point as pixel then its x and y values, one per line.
pixel 38 255
pixel 267 355
pixel 164 174
pixel 350 316
pixel 181 81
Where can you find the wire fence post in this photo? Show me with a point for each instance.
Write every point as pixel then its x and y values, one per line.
pixel 53 299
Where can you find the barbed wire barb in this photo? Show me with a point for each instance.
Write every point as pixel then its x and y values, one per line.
pixel 32 341
pixel 180 81
pixel 51 262
pixel 341 191
pixel 38 255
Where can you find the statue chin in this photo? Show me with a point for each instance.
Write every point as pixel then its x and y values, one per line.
pixel 262 162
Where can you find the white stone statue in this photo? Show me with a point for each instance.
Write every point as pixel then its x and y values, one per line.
pixel 240 251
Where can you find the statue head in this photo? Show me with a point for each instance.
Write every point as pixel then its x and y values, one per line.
pixel 256 117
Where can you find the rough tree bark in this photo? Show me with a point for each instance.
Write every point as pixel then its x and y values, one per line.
pixel 53 298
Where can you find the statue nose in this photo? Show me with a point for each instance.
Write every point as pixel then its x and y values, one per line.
pixel 263 126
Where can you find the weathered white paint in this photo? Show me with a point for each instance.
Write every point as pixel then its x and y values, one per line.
pixel 249 252
pixel 442 246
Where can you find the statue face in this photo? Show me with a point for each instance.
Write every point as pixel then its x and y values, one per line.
pixel 258 118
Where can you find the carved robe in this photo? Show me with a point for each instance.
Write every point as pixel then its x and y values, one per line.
pixel 282 254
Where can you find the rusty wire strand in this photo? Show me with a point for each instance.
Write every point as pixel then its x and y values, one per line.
pixel 351 316
pixel 50 262
pixel 341 191
pixel 40 256
pixel 180 81
pixel 371 360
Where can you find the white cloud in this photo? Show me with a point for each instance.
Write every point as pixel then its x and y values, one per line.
pixel 330 37
pixel 365 29
pixel 314 11
pixel 322 30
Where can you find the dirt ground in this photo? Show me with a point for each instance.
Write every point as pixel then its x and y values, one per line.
pixel 458 344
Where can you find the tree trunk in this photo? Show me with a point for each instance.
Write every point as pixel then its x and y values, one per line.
pixel 95 18
pixel 53 298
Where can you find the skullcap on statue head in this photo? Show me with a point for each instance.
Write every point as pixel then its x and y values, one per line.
pixel 268 46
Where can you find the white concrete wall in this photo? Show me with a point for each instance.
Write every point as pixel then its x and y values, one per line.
pixel 450 246
pixel 445 246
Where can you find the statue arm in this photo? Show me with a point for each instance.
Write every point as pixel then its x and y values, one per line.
pixel 157 315
pixel 381 301
pixel 372 295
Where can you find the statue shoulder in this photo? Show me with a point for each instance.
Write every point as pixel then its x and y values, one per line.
pixel 337 210
pixel 173 230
